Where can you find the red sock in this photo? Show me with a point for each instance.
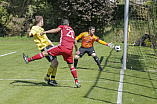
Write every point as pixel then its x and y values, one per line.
pixel 36 57
pixel 74 73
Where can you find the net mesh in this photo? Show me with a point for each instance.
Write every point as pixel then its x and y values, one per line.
pixel 142 37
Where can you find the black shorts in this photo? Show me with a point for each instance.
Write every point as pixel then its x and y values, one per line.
pixel 49 58
pixel 89 51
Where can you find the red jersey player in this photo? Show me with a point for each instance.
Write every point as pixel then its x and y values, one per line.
pixel 65 48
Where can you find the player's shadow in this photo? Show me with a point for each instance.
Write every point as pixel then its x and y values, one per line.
pixel 96 82
pixel 30 83
pixel 135 63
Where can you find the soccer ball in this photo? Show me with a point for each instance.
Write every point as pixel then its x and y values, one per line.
pixel 117 48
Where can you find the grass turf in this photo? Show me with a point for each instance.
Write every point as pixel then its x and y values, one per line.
pixel 22 83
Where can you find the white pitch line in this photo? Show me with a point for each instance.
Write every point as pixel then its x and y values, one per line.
pixel 120 89
pixel 8 53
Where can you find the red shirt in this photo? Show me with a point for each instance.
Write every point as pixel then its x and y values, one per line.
pixel 67 36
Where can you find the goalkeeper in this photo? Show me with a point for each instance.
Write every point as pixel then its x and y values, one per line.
pixel 88 39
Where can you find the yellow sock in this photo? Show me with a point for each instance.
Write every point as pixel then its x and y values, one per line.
pixel 50 70
pixel 54 73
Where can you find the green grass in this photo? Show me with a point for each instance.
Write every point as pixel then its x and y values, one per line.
pixel 22 83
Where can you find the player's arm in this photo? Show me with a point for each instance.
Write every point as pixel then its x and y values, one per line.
pixel 76 47
pixel 29 33
pixel 104 43
pixel 51 31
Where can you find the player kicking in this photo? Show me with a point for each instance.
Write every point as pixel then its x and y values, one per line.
pixel 88 39
pixel 65 48
pixel 43 44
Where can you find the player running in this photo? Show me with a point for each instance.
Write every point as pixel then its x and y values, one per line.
pixel 65 48
pixel 88 39
pixel 43 44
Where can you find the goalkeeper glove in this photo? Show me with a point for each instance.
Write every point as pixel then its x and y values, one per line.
pixel 111 45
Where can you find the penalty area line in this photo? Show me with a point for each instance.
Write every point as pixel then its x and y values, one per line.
pixel 8 53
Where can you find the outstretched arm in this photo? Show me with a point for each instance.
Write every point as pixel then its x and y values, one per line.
pixel 51 31
pixel 104 43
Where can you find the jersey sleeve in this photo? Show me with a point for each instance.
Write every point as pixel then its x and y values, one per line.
pixel 61 26
pixel 100 41
pixel 79 36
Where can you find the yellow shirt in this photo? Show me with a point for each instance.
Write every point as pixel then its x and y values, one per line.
pixel 88 40
pixel 41 41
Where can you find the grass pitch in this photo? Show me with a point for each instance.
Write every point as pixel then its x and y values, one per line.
pixel 22 83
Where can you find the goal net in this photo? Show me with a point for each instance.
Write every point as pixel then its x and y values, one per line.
pixel 142 37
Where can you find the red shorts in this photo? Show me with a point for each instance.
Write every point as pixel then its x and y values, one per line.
pixel 61 50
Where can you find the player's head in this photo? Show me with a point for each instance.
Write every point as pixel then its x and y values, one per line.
pixel 91 30
pixel 65 22
pixel 39 20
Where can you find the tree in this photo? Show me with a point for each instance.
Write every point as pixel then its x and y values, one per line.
pixel 84 13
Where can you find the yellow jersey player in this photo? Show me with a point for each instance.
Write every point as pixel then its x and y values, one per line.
pixel 43 44
pixel 88 39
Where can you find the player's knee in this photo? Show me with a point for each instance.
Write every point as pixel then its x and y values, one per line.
pixel 93 54
pixel 45 53
pixel 77 57
pixel 54 63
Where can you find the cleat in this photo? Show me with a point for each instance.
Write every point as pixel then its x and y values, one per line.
pixel 53 83
pixel 47 80
pixel 25 58
pixel 77 84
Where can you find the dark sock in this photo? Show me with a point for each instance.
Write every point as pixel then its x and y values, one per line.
pixel 75 62
pixel 97 61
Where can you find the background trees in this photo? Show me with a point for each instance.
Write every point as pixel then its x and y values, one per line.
pixel 17 15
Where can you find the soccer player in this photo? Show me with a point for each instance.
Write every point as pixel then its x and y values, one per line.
pixel 65 48
pixel 43 44
pixel 88 39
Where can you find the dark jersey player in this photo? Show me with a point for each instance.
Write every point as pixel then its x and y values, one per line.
pixel 65 48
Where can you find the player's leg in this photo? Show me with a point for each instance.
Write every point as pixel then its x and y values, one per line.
pixel 68 57
pixel 97 61
pixel 50 59
pixel 74 73
pixel 82 52
pixel 54 66
pixel 52 70
pixel 76 60
pixel 36 57
pixel 91 52
pixel 49 72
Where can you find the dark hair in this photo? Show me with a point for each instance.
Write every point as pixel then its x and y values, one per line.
pixel 65 21
pixel 38 18
pixel 91 27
